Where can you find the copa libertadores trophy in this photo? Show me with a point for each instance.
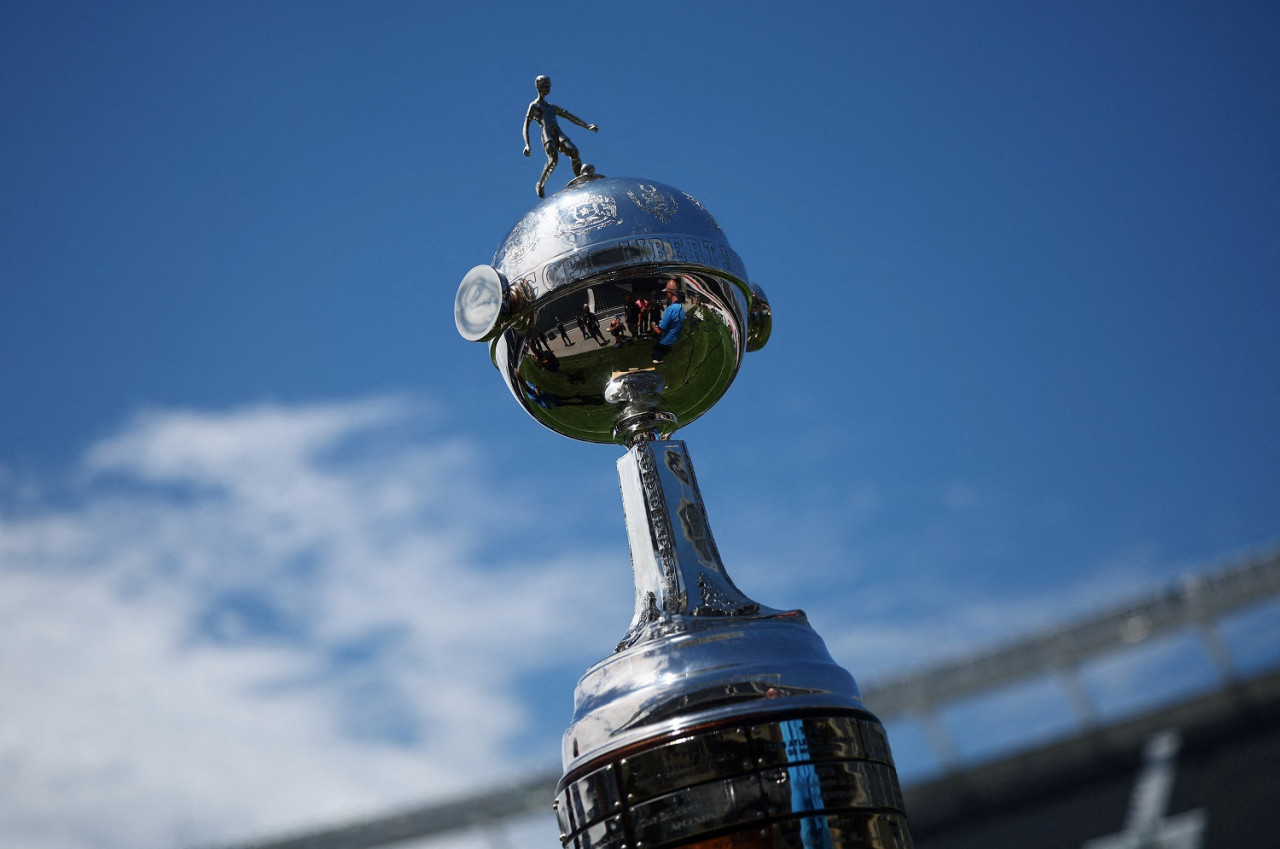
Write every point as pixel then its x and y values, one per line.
pixel 616 311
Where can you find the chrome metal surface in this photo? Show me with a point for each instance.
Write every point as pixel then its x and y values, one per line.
pixel 713 673
pixel 610 225
pixel 480 303
pixel 810 782
pixel 554 142
pixel 679 577
pixel 616 242
pixel 759 320
pixel 591 390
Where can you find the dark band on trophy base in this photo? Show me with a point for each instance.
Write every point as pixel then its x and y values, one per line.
pixel 776 778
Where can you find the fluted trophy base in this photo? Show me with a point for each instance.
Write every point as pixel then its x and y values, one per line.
pixel 718 722
pixel 799 781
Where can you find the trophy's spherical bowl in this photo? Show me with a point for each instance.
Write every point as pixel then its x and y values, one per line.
pixel 587 268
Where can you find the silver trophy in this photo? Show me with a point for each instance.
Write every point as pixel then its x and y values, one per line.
pixel 617 311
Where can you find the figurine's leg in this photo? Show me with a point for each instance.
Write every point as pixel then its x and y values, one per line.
pixel 552 159
pixel 570 150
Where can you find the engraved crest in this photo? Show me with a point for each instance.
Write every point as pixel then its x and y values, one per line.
pixel 590 213
pixel 710 218
pixel 661 205
pixel 523 239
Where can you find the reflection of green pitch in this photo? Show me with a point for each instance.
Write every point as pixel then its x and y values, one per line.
pixel 700 363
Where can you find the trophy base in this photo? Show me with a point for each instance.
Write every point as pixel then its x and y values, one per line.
pixel 741 732
pixel 803 781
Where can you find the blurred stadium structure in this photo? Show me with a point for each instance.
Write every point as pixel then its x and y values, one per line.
pixel 1155 724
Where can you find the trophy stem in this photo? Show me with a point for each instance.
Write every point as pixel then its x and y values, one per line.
pixel 679 577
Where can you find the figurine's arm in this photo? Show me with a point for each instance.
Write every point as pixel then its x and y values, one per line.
pixel 565 113
pixel 528 117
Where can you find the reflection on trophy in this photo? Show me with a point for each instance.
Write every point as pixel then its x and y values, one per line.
pixel 716 721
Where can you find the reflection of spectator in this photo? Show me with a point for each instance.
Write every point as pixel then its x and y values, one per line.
pixel 633 311
pixel 543 399
pixel 547 360
pixel 656 310
pixel 590 325
pixel 671 324
pixel 551 363
pixel 642 321
pixel 617 331
pixel 564 334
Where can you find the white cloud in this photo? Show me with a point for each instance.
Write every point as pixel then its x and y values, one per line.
pixel 268 618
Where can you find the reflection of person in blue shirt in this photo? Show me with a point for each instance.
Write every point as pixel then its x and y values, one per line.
pixel 543 399
pixel 806 787
pixel 672 323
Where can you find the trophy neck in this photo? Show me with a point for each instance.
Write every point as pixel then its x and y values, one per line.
pixel 681 583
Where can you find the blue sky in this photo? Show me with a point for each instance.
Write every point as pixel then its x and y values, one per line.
pixel 264 514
